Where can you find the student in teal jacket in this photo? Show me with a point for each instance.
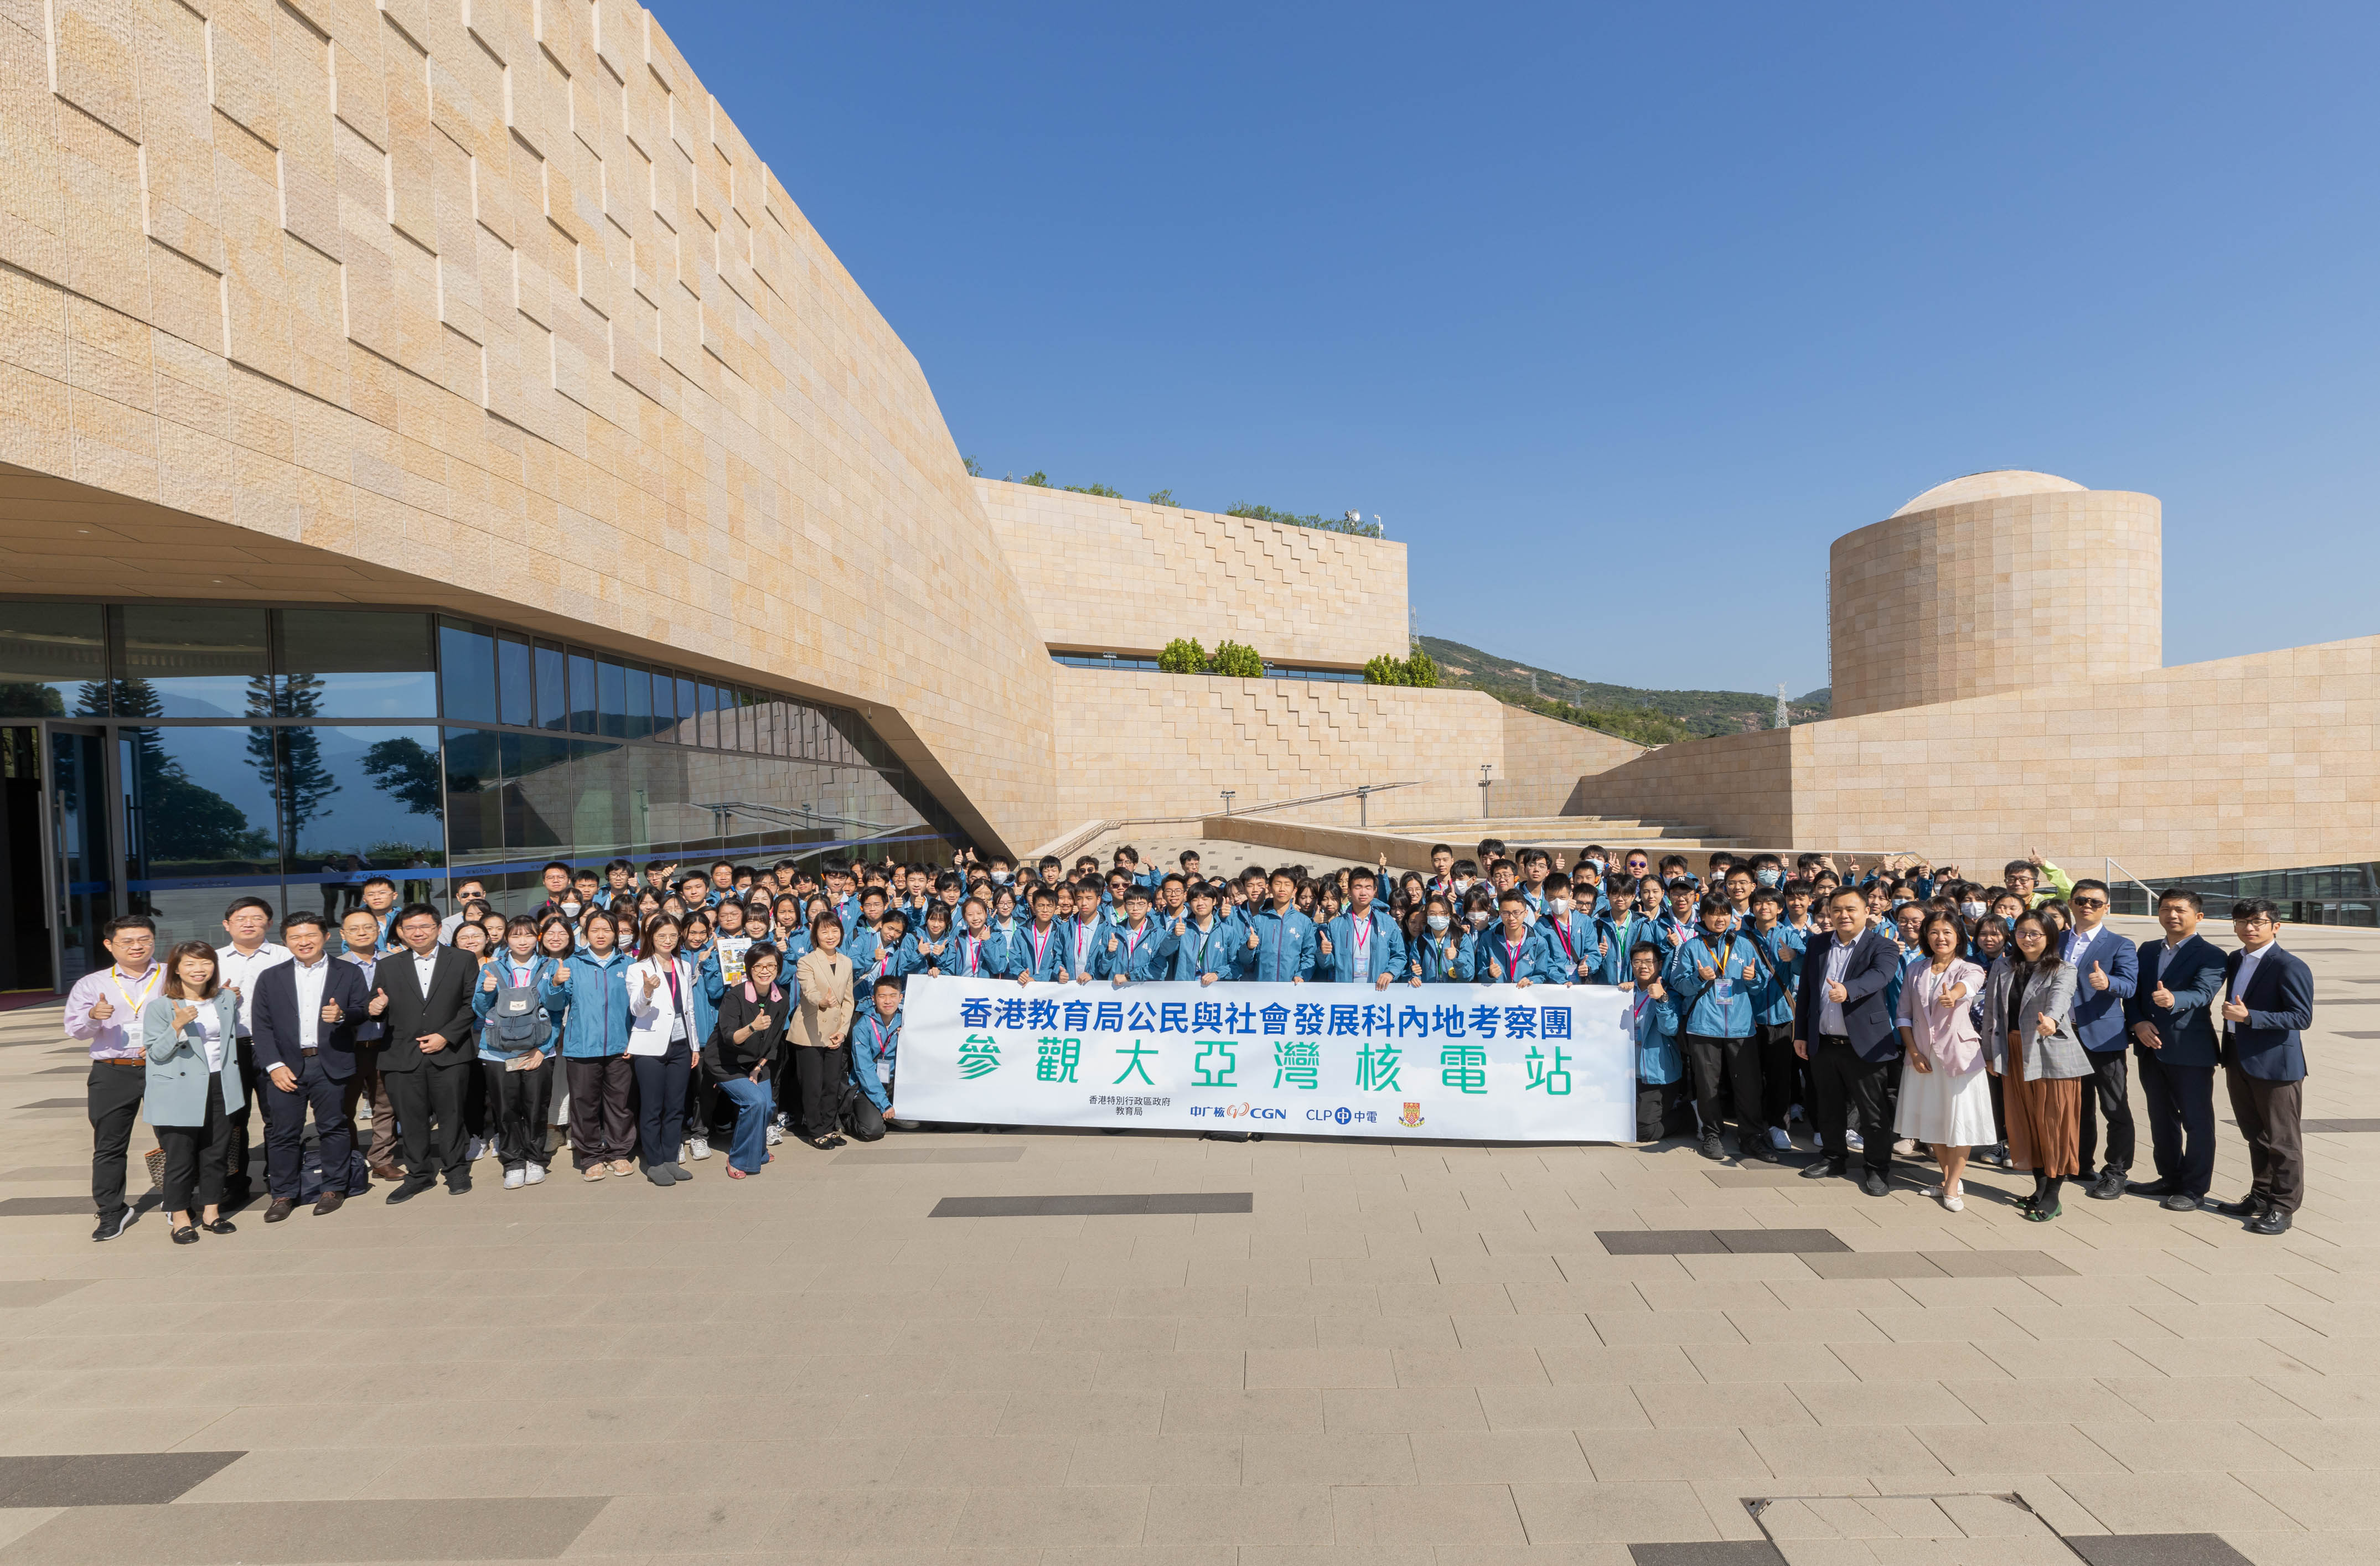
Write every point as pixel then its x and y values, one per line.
pixel 1712 975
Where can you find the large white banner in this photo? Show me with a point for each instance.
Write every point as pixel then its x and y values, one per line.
pixel 1481 1063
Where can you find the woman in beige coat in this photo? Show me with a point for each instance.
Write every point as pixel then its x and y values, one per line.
pixel 817 1033
pixel 2029 1041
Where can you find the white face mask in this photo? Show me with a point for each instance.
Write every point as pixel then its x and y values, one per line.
pixel 1767 877
pixel 1481 918
pixel 1971 910
pixel 1461 884
pixel 1558 906
pixel 1000 878
pixel 1438 923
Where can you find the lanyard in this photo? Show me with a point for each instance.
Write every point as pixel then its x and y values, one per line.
pixel 877 1025
pixel 1132 939
pixel 1362 930
pixel 1083 933
pixel 132 1004
pixel 1561 933
pixel 677 1002
pixel 1512 959
pixel 1040 940
pixel 973 945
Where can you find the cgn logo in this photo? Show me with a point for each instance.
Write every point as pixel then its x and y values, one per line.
pixel 1254 1112
pixel 1412 1117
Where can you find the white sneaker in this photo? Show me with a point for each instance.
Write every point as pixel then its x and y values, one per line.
pixel 535 1174
pixel 1778 1140
pixel 1851 1140
pixel 698 1148
pixel 515 1178
pixel 775 1135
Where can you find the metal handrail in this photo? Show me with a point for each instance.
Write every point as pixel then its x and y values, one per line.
pixel 2114 869
pixel 1091 831
pixel 795 815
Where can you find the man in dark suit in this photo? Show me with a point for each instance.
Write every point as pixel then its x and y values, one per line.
pixel 1843 1028
pixel 306 1012
pixel 2106 971
pixel 2268 1002
pixel 431 1046
pixel 2172 1020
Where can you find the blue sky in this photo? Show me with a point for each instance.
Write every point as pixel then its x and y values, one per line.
pixel 1618 316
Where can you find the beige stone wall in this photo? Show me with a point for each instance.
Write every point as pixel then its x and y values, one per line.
pixel 2260 762
pixel 1133 744
pixel 1296 595
pixel 1542 760
pixel 1995 593
pixel 483 306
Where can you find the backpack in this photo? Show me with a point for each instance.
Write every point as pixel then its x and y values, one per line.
pixel 516 1022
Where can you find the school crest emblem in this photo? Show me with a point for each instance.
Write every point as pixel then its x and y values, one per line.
pixel 1412 1116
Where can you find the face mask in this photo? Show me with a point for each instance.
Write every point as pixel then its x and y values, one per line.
pixel 1461 884
pixel 1596 863
pixel 1971 910
pixel 1900 901
pixel 1438 923
pixel 570 909
pixel 1558 906
pixel 1000 878
pixel 1767 878
pixel 1481 918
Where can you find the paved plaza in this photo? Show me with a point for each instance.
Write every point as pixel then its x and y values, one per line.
pixel 1423 1354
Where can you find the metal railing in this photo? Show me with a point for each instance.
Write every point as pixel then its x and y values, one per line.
pixel 801 815
pixel 1091 831
pixel 2114 871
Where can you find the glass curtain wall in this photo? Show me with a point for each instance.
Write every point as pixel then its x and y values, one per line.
pixel 199 753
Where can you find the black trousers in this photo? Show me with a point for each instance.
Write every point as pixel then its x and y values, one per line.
pixel 603 1121
pixel 1781 1071
pixel 2107 1092
pixel 428 1104
pixel 517 1102
pixel 2268 1116
pixel 820 1080
pixel 235 1146
pixel 112 1096
pixel 1661 1110
pixel 1849 1090
pixel 2181 1121
pixel 196 1157
pixel 285 1129
pixel 661 1102
pixel 1740 1058
pixel 701 1104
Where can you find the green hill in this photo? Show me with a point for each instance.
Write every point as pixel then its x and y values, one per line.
pixel 1647 717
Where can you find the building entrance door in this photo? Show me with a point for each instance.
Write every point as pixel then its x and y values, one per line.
pixel 25 955
pixel 82 879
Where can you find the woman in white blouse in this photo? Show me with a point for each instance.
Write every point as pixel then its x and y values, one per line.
pixel 662 1046
pixel 1946 1096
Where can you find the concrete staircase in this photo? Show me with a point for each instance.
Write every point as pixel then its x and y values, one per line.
pixel 1407 843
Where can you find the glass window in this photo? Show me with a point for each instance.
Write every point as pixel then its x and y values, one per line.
pixel 53 660
pixel 192 661
pixel 552 695
pixel 598 815
pixel 706 707
pixel 355 663
pixel 685 710
pixel 640 703
pixel 611 700
pixel 582 694
pixel 515 682
pixel 466 672
pixel 474 813
pixel 202 824
pixel 538 792
pixel 381 802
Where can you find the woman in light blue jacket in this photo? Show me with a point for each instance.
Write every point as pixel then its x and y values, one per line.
pixel 591 992
pixel 190 1033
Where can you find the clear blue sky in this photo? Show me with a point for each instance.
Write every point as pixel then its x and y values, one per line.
pixel 1660 297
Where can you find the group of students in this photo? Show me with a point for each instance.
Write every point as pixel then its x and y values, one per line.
pixel 648 1012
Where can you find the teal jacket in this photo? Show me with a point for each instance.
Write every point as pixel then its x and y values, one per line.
pixel 179 1080
pixel 1720 1007
pixel 593 1004
pixel 1440 959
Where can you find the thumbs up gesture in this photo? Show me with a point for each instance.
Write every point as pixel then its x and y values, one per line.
pixel 652 982
pixel 561 974
pixel 2162 996
pixel 1704 969
pixel 182 1016
pixel 379 1002
pixel 331 1015
pixel 2235 1011
pixel 1112 943
pixel 1323 939
pixel 1255 940
pixel 487 976
pixel 1179 924
pixel 2098 977
pixel 1747 973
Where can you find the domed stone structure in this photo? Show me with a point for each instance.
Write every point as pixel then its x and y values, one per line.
pixel 1992 582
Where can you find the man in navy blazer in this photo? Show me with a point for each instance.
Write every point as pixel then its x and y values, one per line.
pixel 2268 1002
pixel 1843 1028
pixel 305 1018
pixel 2107 970
pixel 2172 1014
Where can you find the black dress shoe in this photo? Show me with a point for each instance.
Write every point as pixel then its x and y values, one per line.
pixel 1874 1186
pixel 330 1201
pixel 1711 1148
pixel 2179 1202
pixel 2248 1206
pixel 2148 1187
pixel 185 1235
pixel 281 1208
pixel 1822 1170
pixel 219 1226
pixel 409 1188
pixel 457 1184
pixel 2108 1186
pixel 2272 1221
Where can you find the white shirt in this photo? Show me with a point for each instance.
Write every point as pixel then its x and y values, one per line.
pixel 240 968
pixel 1830 1011
pixel 210 1031
pixel 424 965
pixel 2248 961
pixel 310 981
